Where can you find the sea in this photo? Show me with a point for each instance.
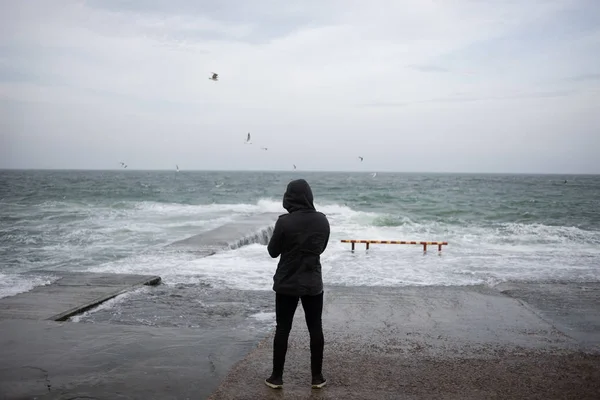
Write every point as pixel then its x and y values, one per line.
pixel 499 228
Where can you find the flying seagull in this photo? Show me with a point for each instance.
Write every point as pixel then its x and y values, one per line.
pixel 294 166
pixel 248 139
pixel 214 77
pixel 264 148
pixel 177 166
pixel 360 158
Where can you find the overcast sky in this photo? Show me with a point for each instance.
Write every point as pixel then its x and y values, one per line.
pixel 410 85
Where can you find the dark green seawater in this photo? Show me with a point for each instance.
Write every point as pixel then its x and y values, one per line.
pixel 500 227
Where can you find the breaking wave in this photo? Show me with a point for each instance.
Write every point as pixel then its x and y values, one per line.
pixel 130 237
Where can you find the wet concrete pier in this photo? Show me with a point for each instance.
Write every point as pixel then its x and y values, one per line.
pixel 70 294
pixel 64 360
pixel 510 342
pixel 440 342
pixel 250 229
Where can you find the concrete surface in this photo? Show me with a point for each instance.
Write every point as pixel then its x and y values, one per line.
pixel 70 294
pixel 188 306
pixel 436 342
pixel 380 343
pixel 571 307
pixel 51 360
pixel 250 229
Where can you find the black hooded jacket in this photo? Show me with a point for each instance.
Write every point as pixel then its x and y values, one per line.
pixel 300 237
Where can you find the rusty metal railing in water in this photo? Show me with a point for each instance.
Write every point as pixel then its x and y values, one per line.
pixel 368 242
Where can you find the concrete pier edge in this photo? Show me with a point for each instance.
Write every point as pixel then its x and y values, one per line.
pixel 71 294
pixel 151 281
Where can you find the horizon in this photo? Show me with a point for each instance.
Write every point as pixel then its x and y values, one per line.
pixel 299 171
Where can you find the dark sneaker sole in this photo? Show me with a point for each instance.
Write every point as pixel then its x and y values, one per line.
pixel 272 385
pixel 319 385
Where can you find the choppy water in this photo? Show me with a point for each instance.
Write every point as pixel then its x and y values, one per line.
pixel 499 227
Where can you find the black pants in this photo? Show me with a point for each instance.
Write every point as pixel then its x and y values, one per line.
pixel 285 307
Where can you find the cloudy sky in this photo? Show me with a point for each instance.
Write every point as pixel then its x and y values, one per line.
pixel 410 85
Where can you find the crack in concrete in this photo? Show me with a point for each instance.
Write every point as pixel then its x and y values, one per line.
pixel 213 367
pixel 539 314
pixel 46 376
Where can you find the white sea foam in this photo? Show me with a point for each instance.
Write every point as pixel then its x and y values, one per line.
pixel 263 316
pixel 12 284
pixel 476 254
pixel 109 304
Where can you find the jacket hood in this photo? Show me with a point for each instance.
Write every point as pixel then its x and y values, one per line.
pixel 298 196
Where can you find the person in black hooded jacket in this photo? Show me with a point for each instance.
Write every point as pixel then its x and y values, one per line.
pixel 299 237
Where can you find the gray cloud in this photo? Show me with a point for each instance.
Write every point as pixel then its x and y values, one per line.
pixel 430 68
pixel 585 77
pixel 464 98
pixel 128 80
pixel 266 20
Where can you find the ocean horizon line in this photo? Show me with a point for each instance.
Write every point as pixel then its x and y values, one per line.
pixel 306 170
